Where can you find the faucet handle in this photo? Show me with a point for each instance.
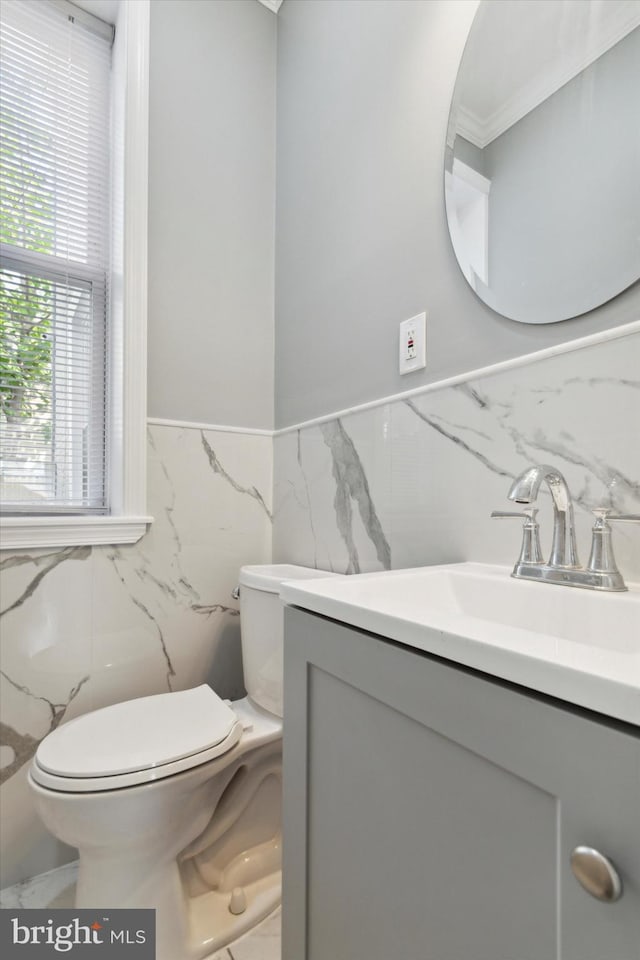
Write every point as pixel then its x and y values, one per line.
pixel 604 516
pixel 602 512
pixel 601 559
pixel 530 551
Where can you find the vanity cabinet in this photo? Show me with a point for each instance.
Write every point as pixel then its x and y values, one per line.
pixel 430 811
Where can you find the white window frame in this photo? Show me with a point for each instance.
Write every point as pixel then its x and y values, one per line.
pixel 127 412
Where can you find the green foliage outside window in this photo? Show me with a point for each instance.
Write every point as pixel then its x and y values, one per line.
pixel 26 301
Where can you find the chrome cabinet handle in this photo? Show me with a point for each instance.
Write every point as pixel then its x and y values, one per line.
pixel 596 874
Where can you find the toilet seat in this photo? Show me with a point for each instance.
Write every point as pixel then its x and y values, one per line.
pixel 137 741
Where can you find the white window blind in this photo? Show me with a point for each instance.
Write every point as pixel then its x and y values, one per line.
pixel 54 257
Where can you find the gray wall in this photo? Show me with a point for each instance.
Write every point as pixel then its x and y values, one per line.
pixel 211 211
pixel 564 208
pixel 470 154
pixel 362 242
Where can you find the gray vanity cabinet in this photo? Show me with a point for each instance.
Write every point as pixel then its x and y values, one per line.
pixel 430 811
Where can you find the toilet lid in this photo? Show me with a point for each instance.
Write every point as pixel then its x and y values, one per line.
pixel 138 735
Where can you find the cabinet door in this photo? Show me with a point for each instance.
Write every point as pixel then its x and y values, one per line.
pixel 430 811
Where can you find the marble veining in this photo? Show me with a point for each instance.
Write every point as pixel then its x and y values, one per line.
pixel 549 441
pixel 170 495
pixel 557 444
pixel 163 644
pixel 471 392
pixel 612 483
pixel 51 561
pixel 129 621
pixel 442 460
pixel 20 746
pixel 219 469
pixel 114 556
pixel 307 505
pixel 24 745
pixel 352 484
pixel 331 493
pixel 451 435
pixel 208 608
pixel 403 484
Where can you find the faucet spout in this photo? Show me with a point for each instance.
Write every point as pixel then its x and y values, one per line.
pixel 525 489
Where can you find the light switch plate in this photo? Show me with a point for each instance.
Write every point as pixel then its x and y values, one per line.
pixel 412 353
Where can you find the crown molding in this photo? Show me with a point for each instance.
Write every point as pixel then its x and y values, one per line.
pixel 480 131
pixel 273 5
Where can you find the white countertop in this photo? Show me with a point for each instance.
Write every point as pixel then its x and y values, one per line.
pixel 582 646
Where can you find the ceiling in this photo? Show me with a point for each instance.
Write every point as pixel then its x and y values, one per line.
pixel 108 9
pixel 536 47
pixel 272 4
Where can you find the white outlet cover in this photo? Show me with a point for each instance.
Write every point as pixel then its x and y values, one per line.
pixel 416 327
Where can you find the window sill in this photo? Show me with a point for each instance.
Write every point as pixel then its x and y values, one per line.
pixel 20 533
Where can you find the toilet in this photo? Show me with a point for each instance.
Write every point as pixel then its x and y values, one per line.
pixel 174 800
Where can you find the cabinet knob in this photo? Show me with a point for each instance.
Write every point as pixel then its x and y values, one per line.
pixel 596 874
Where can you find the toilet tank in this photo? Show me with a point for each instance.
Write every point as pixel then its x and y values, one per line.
pixel 262 628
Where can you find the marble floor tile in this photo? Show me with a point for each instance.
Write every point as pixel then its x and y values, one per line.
pixel 55 889
pixel 261 943
pixel 52 889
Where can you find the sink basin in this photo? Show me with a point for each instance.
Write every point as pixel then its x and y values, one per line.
pixel 581 646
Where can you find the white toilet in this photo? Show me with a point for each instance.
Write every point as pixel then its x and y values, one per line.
pixel 174 800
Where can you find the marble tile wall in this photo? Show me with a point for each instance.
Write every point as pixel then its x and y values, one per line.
pixel 405 483
pixel 85 627
pixel 414 482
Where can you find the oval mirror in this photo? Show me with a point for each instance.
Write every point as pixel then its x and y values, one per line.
pixel 542 167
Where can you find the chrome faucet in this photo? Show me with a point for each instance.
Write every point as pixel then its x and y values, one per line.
pixel 524 489
pixel 563 566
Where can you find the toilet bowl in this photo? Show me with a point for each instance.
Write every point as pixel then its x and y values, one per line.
pixel 174 800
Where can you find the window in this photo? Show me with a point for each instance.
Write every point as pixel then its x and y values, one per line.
pixel 72 411
pixel 55 253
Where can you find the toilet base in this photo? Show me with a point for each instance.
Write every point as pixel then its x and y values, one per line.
pixel 210 911
pixel 206 912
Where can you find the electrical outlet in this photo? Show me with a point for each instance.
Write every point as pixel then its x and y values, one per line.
pixel 413 337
